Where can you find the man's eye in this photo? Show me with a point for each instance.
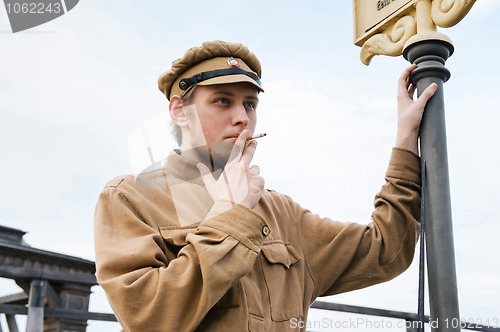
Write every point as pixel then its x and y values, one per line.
pixel 250 104
pixel 223 101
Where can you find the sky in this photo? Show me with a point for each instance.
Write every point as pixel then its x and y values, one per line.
pixel 78 93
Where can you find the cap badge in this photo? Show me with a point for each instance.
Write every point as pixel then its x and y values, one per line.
pixel 232 62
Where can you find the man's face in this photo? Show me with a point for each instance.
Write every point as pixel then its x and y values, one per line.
pixel 223 111
pixel 216 116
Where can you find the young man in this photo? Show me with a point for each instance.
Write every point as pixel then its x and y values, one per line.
pixel 199 244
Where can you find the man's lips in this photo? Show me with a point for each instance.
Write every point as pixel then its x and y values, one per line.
pixel 233 136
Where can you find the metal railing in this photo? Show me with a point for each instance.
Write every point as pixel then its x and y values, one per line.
pixel 412 321
pixel 10 310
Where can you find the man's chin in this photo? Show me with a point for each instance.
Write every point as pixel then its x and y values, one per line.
pixel 220 152
pixel 215 155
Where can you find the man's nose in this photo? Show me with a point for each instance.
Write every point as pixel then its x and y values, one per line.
pixel 240 115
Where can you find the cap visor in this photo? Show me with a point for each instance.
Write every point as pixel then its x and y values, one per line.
pixel 231 79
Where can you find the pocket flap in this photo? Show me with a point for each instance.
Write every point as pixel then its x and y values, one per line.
pixel 280 253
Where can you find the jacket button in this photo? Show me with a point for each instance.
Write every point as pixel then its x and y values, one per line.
pixel 266 230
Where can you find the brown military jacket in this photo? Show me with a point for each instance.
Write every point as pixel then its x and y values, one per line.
pixel 169 259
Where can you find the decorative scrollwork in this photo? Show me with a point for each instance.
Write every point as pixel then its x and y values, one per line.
pixel 391 44
pixel 447 13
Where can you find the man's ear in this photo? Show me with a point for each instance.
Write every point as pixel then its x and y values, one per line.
pixel 177 112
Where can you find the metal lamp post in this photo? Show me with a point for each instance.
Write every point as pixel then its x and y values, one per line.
pixel 409 27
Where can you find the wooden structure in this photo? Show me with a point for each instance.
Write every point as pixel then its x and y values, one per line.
pixel 56 287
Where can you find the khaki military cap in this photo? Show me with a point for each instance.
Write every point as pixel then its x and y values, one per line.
pixel 214 62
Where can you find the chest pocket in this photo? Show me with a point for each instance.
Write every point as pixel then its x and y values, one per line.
pixel 174 238
pixel 284 273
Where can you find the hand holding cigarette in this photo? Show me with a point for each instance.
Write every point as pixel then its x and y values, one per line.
pixel 239 182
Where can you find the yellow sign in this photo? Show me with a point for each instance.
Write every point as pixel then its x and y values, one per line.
pixel 388 26
pixel 374 16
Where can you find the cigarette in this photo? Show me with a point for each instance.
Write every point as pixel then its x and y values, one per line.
pixel 256 136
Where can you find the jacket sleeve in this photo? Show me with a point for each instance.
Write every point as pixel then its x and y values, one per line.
pixel 347 256
pixel 153 288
